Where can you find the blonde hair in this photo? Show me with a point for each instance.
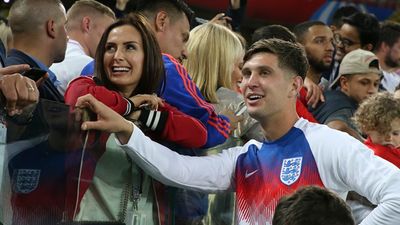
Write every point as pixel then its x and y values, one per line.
pixel 213 50
pixel 377 113
pixel 5 34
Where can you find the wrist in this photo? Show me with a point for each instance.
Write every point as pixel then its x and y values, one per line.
pixel 126 132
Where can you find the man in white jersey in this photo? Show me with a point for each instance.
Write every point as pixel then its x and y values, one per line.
pixel 295 153
pixel 86 22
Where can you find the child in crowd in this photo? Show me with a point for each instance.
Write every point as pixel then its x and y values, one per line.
pixel 379 118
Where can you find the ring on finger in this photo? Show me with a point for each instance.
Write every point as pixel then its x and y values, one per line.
pixel 30 88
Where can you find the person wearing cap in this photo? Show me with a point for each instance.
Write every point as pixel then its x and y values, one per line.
pixel 294 154
pixel 359 77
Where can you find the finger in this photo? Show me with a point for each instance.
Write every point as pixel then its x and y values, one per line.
pixel 312 101
pixel 309 93
pixel 78 114
pixel 322 97
pixel 14 69
pixel 34 95
pixel 227 18
pixel 220 16
pixel 41 80
pixel 9 91
pixel 84 101
pixel 160 102
pixel 217 17
pixel 314 104
pixel 23 89
pixel 153 102
pixel 93 125
pixel 97 107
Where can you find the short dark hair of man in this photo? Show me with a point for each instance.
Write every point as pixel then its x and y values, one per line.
pixel 302 28
pixel 367 26
pixel 312 206
pixel 273 31
pixel 389 33
pixel 342 12
pixel 149 8
pixel 291 56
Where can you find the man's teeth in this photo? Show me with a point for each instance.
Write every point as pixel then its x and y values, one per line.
pixel 120 69
pixel 254 97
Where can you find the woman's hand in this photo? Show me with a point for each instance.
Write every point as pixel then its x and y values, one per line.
pixel 107 119
pixel 149 101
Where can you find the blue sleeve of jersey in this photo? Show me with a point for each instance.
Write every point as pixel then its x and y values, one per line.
pixel 181 92
pixel 88 70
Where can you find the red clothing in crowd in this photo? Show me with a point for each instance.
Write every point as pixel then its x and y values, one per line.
pixel 176 125
pixel 390 154
pixel 301 106
pixel 167 124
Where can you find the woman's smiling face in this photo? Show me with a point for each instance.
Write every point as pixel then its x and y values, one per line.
pixel 123 58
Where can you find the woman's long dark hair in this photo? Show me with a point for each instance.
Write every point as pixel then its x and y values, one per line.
pixel 153 68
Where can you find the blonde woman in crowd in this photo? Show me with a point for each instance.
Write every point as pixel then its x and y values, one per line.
pixel 215 57
pixel 5 34
pixel 5 41
pixel 214 61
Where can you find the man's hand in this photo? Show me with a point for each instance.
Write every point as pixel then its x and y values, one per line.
pixel 223 20
pixel 107 119
pixel 314 93
pixel 18 91
pixel 9 70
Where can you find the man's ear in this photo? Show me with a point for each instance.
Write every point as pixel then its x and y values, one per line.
pixel 86 24
pixel 368 47
pixel 50 28
pixel 344 83
pixel 384 47
pixel 161 21
pixel 296 86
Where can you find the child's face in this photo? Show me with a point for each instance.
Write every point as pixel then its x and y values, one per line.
pixel 392 139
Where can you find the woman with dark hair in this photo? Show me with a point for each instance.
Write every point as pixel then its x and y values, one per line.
pixel 128 70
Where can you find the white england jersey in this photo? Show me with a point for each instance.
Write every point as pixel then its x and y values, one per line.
pixel 263 172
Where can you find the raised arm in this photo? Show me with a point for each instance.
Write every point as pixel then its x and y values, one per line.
pixel 86 85
pixel 208 173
